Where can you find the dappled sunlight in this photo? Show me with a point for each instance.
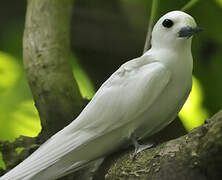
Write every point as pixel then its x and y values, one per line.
pixel 219 2
pixel 9 71
pixel 193 114
pixel 19 150
pixel 2 164
pixel 18 114
pixel 84 83
pixel 26 120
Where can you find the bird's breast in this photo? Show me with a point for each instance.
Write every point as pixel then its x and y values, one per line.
pixel 169 103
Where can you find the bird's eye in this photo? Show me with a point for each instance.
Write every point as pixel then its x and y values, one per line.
pixel 167 23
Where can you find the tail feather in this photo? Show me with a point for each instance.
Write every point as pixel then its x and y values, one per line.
pixel 90 166
pixel 69 150
pixel 53 156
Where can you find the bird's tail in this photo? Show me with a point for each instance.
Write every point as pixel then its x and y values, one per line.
pixel 65 152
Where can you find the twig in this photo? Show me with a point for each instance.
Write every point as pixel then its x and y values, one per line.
pixel 189 5
pixel 150 25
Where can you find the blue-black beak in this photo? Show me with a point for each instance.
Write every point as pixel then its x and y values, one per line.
pixel 189 31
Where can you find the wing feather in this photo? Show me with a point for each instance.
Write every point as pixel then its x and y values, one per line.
pixel 127 93
pixel 131 90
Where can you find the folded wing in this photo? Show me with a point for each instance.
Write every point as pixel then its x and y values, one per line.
pixel 131 90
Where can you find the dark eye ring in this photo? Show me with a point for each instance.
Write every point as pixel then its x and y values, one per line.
pixel 167 23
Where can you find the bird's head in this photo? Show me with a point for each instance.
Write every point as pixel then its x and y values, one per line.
pixel 174 29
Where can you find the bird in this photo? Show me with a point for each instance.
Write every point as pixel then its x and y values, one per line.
pixel 139 99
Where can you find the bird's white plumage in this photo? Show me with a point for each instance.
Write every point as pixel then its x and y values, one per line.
pixel 139 99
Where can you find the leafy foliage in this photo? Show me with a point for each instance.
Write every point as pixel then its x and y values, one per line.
pixel 18 114
pixel 193 114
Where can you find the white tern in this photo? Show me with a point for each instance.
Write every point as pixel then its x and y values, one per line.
pixel 143 96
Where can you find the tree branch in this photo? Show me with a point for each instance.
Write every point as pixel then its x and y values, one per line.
pixel 150 25
pixel 195 156
pixel 9 150
pixel 46 50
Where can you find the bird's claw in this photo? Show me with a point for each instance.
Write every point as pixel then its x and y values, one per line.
pixel 140 148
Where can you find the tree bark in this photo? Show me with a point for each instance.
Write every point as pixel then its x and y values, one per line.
pixel 46 51
pixel 195 156
pixel 46 55
pixel 11 156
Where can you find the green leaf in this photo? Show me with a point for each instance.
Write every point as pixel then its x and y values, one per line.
pixel 219 2
pixel 18 115
pixel 2 164
pixel 19 149
pixel 25 119
pixel 189 5
pixel 193 114
pixel 9 71
pixel 85 85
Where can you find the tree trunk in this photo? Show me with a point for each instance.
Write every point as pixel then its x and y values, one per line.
pixel 46 51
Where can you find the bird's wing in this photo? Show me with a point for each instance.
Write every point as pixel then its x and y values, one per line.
pixel 131 90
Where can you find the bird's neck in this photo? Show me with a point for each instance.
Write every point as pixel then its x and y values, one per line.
pixel 171 57
pixel 177 44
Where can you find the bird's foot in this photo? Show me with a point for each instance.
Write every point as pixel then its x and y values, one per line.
pixel 140 147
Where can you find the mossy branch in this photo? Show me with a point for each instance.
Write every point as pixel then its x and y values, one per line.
pixel 195 156
pixel 153 15
pixel 9 150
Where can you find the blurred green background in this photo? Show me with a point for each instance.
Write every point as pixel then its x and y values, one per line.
pixel 106 34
